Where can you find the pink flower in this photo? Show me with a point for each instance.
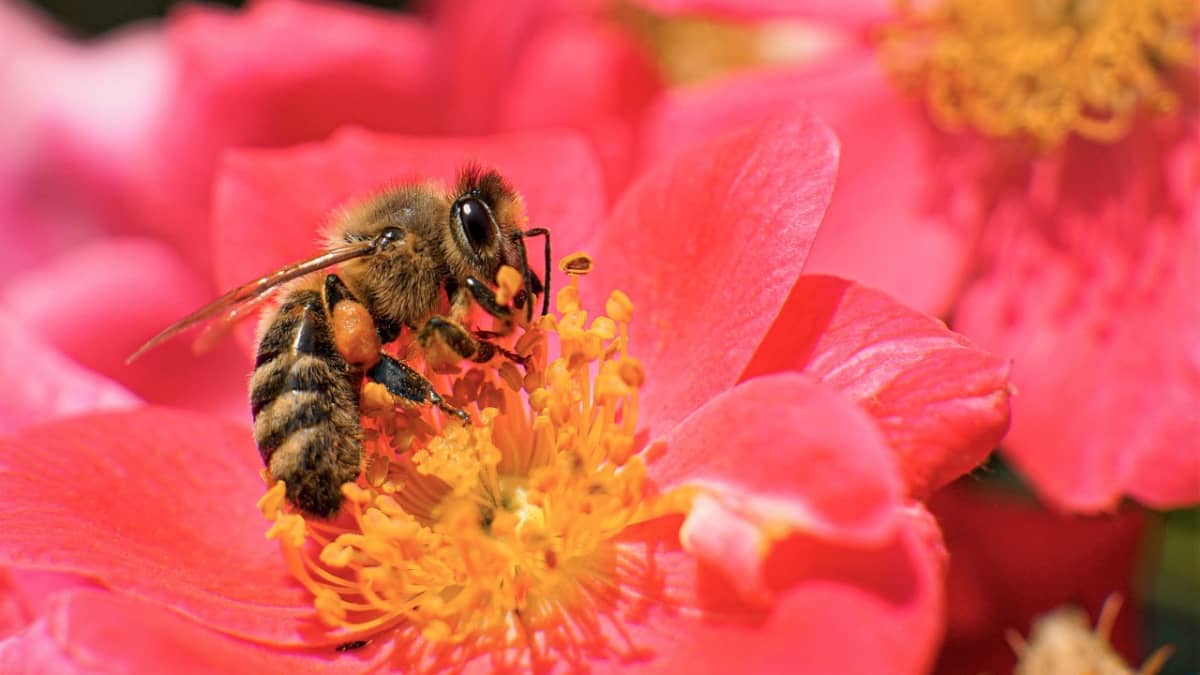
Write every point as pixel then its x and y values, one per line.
pixel 800 545
pixel 1075 254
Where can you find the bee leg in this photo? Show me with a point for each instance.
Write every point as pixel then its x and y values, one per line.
pixel 485 337
pixel 403 381
pixel 486 298
pixel 457 338
pixel 475 346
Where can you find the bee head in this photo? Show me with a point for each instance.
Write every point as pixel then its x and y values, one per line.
pixel 486 222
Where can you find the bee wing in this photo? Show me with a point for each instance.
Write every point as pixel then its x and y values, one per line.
pixel 219 328
pixel 235 303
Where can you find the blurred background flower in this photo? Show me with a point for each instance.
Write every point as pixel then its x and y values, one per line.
pixel 1069 244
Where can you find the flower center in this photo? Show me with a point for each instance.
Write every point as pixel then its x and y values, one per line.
pixel 1043 68
pixel 500 534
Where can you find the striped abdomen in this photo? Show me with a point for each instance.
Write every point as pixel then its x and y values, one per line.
pixel 305 406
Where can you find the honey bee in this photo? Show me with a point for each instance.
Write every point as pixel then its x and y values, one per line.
pixel 397 253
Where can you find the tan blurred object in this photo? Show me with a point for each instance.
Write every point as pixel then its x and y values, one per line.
pixel 693 48
pixel 1062 643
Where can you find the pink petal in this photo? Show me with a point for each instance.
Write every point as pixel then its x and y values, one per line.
pixel 887 225
pixel 584 74
pixel 708 246
pixel 1093 294
pixel 271 205
pixel 480 42
pixel 840 607
pixel 100 302
pixel 941 403
pixel 14 615
pixel 787 440
pixel 34 650
pixel 361 66
pixel 774 457
pixel 40 383
pixel 90 627
pixel 75 117
pixel 157 504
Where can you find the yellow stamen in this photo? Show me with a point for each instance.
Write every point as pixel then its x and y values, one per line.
pixel 694 48
pixel 1062 643
pixel 498 537
pixel 1044 68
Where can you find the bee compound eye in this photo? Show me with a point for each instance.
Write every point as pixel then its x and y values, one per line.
pixel 476 224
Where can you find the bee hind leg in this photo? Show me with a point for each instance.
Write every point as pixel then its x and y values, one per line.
pixel 403 381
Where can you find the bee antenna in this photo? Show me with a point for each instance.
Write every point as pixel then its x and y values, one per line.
pixel 541 232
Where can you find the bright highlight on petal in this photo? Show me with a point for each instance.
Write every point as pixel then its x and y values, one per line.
pixel 1044 68
pixel 496 538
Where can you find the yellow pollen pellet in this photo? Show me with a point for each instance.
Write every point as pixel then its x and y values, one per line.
pixel 289 529
pixel 355 494
pixel 272 502
pixel 330 607
pixel 603 328
pixel 619 307
pixel 336 555
pixel 567 300
pixel 508 282
pixel 631 372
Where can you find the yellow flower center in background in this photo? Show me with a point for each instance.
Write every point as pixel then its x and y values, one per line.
pixel 1043 68
pixel 497 535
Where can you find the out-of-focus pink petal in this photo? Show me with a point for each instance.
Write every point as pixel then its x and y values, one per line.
pixel 14 615
pixel 362 67
pixel 707 245
pixel 583 73
pixel 846 12
pixel 1089 283
pixel 33 650
pixel 84 629
pixel 942 403
pixel 40 383
pixel 480 42
pixel 888 224
pixel 75 118
pixel 1011 561
pixel 157 504
pixel 272 204
pixel 839 607
pixel 100 302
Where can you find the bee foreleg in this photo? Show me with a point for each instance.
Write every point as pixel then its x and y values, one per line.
pixel 485 337
pixel 486 298
pixel 454 336
pixel 400 379
pixel 469 345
